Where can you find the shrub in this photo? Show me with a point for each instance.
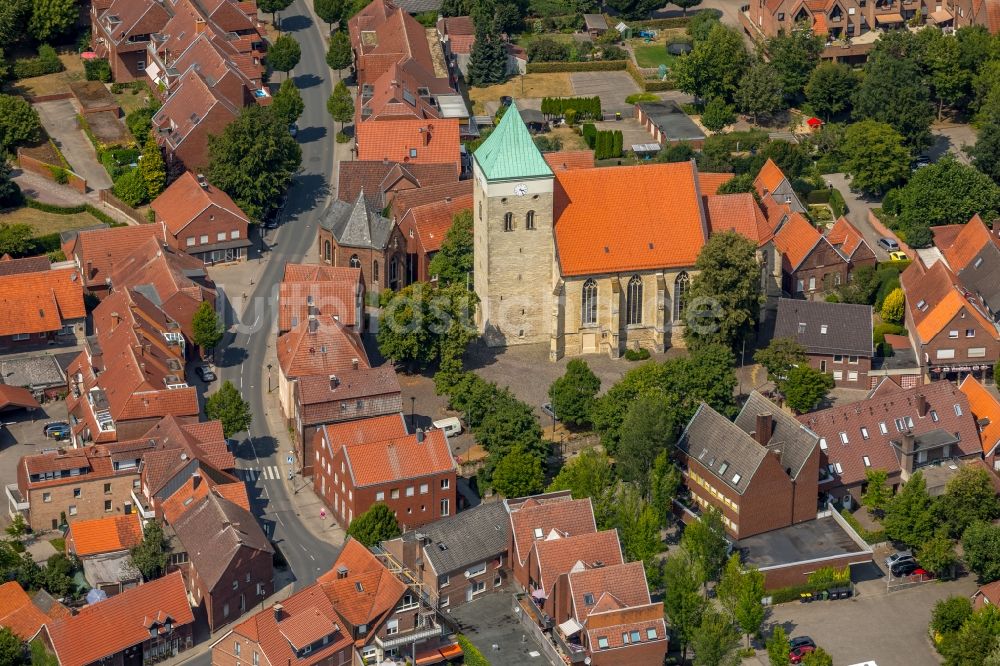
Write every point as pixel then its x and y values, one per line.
pixel 613 52
pixel 590 66
pixel 584 107
pixel 640 354
pixel 473 657
pixel 131 188
pixel 878 536
pixel 139 122
pixel 884 329
pixel 72 210
pixel 59 175
pixel 589 133
pixel 837 203
pixel 635 98
pixel 46 62
pixel 97 69
pixel 546 49
pixel 342 138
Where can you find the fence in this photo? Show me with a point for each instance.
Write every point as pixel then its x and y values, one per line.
pixel 548 649
pixel 109 199
pixel 49 171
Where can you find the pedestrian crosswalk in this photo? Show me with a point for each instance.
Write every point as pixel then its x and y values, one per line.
pixel 252 474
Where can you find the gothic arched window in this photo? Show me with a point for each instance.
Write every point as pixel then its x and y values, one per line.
pixel 508 222
pixel 588 311
pixel 680 294
pixel 529 220
pixel 633 301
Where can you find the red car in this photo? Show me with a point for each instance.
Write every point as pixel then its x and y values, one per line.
pixel 795 654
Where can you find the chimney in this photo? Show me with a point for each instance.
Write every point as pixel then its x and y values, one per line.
pixel 195 479
pixel 921 404
pixel 909 447
pixel 765 422
pixel 90 269
pixel 199 26
pixel 201 177
pixel 354 363
pixel 420 436
pixel 313 323
pixel 117 318
pixel 334 382
pixel 278 608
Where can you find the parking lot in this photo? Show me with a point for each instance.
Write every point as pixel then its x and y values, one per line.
pixel 611 87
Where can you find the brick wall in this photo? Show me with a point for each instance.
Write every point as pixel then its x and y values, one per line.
pixel 828 364
pixel 110 199
pixel 205 228
pixel 45 171
pixel 797 574
pixel 90 504
pixel 224 653
pixel 982 343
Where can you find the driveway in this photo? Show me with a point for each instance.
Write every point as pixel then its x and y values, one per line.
pixel 59 120
pixel 611 87
pixel 951 138
pixel 890 629
pixel 858 206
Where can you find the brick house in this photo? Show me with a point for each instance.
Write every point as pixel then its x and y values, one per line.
pixel 458 557
pixel 121 31
pixel 972 252
pixel 457 35
pixel 414 475
pixel 950 331
pixel 145 623
pixel 986 410
pixel 837 337
pixel 896 430
pixel 96 251
pixel 382 180
pixel 330 437
pixel 188 117
pixel 43 307
pixel 102 546
pixel 534 517
pixel 320 290
pixel 772 181
pixel 425 227
pixel 356 235
pixel 760 471
pixel 22 614
pixel 810 265
pixel 404 200
pixel 411 142
pixel 201 220
pixel 229 564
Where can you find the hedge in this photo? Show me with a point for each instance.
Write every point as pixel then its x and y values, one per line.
pixel 589 66
pixel 46 62
pixel 73 210
pixel 878 536
pixel 646 84
pixel 837 203
pixel 585 107
pixel 473 657
pixel 676 22
pixel 97 69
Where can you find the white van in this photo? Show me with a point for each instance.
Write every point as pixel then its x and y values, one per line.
pixel 451 426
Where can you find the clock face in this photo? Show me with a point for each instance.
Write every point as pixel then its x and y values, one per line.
pixel 520 190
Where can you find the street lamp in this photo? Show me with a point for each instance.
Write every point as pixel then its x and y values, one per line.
pixel 413 408
pixel 269 366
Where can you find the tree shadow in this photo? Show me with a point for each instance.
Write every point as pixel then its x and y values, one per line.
pixel 303 81
pixel 307 191
pixel 310 134
pixel 480 355
pixel 231 356
pixel 295 23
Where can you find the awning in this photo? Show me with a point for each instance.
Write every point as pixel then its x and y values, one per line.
pixel 451 651
pixel 889 18
pixel 941 16
pixel 538 594
pixel 570 627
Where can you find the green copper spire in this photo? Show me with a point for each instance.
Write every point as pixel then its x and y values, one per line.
pixel 509 153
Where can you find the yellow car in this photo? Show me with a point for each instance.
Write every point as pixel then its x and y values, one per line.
pixel 897 256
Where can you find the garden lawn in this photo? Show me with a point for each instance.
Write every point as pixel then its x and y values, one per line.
pixel 525 38
pixel 130 101
pixel 48 223
pixel 535 85
pixel 570 139
pixel 653 54
pixel 52 84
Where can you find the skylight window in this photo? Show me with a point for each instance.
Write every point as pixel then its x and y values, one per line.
pixel 843 438
pixel 723 467
pixel 588 598
pixel 836 466
pixel 822 443
pixel 538 532
pixel 958 410
pixel 868 462
pixel 802 327
pixel 822 329
pixel 736 478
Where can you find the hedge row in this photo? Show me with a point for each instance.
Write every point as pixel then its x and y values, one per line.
pixel 73 210
pixel 585 107
pixel 473 657
pixel 646 84
pixel 46 62
pixel 588 66
pixel 870 537
pixel 606 144
pixel 662 24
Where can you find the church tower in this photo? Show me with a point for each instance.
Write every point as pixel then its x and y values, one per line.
pixel 514 236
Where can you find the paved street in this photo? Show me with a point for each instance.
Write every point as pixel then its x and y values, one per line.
pixel 59 119
pixel 858 206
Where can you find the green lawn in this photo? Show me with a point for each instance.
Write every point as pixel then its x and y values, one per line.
pixel 525 38
pixel 59 544
pixel 48 223
pixel 652 55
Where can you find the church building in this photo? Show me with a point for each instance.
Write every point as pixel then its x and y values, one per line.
pixel 594 259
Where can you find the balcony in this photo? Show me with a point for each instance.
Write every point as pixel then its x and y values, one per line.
pixel 142 506
pixel 16 502
pixel 534 612
pixel 405 638
pixel 577 654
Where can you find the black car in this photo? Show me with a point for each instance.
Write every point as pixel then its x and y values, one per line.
pixel 205 373
pixel 506 100
pixel 799 641
pixel 904 568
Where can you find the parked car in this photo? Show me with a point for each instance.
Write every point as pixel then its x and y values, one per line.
pixel 56 430
pixel 898 256
pixel 898 556
pixel 451 426
pixel 888 244
pixel 921 162
pixel 904 568
pixel 205 373
pixel 795 654
pixel 549 411
pixel 506 100
pixel 799 641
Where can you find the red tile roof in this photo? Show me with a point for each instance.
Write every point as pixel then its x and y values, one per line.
pixel 18 613
pixel 40 302
pixel 196 488
pixel 404 200
pixel 709 183
pixel 432 221
pixel 361 431
pixel 845 237
pixel 320 399
pixel 625 582
pixel 937 290
pixel 186 198
pixel 320 346
pixel 986 408
pixel 11 266
pixel 374 463
pixel 378 177
pixel 595 237
pixel 988 594
pixel 416 141
pixel 739 213
pixel 558 554
pixel 564 160
pixel 367 592
pixel 104 535
pixel 87 637
pixel 796 238
pixel 969 241
pixel 533 518
pixel 769 178
pixel 15 396
pixel 333 291
pixel 98 250
pixel 382 35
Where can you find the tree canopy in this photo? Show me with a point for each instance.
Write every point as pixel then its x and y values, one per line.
pixel 893 91
pixel 829 88
pixel 452 264
pixel 794 56
pixel 805 388
pixel 152 167
pixel 19 123
pixel 518 474
pixel 986 151
pixel 340 106
pixel 760 91
pixel 650 428
pixel 876 160
pixel 716 65
pixel 228 406
pixel 340 56
pixel 272 7
pixel 330 11
pixel 683 603
pixel 416 321
pixel 969 497
pixel 374 526
pixel 52 19
pixel 206 326
pixel 779 357
pixel 908 516
pixel 287 103
pixel 573 394
pixel 706 540
pixel 284 53
pixel 149 557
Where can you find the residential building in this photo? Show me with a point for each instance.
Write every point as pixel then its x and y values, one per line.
pixel 759 471
pixel 229 559
pixel 896 430
pixel 411 141
pixel 986 410
pixel 96 251
pixel 987 595
pixel 149 622
pixel 356 235
pixel 382 180
pixel 425 227
pixel 413 474
pixel 902 367
pixel 457 35
pixel 14 398
pixel 972 252
pixel 772 181
pixel 43 307
pixel 121 31
pixel 811 264
pixel 535 517
pixel 19 612
pixel 837 337
pixel 315 289
pixel 459 557
pixel 949 329
pixel 201 220
pixel 102 545
pixel 188 117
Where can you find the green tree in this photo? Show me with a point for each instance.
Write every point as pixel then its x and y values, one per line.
pixel 741 591
pixel 981 551
pixel 11 648
pixel 339 56
pixel 685 5
pixel 10 193
pixel 715 640
pixel 152 168
pixel 968 497
pixel 253 160
pixel 701 25
pixel 976 639
pixel 946 192
pixel 986 151
pixel 937 555
pixel 760 91
pixel 509 423
pixel 139 122
pixel 878 494
pixel 680 151
pixel 794 55
pixel 908 516
pixel 806 387
pixel 892 307
pixel 4 67
pixel 19 123
pixel 488 59
pixel 635 9
pixel 705 539
pixel 131 188
pixel 206 326
pixel 17 528
pixel 778 647
pixel 228 406
pixel 650 428
pixel 893 91
pixel 986 88
pixel 818 657
pixel 638 525
pixel 683 603
pixel 665 483
pixel 284 54
pixel 374 526
pixel 52 19
pixel 779 357
pixel 287 104
pixel 717 114
pixel 573 394
pixel 587 475
pixel 739 184
pixel 416 321
pixel 830 87
pixel 950 614
pixel 329 11
pixel 149 557
pixel 340 105
pixel 876 157
pixel 518 474
pixel 452 264
pixel 14 16
pixel 16 239
pixel 949 80
pixel 723 302
pixel 272 7
pixel 715 66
